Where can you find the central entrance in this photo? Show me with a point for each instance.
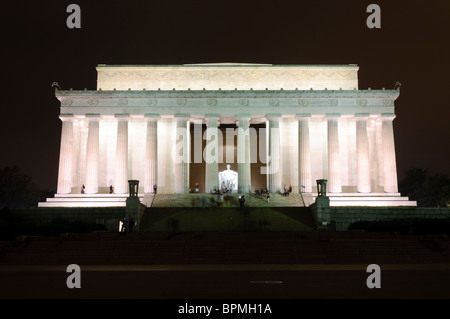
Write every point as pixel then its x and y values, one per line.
pixel 227 154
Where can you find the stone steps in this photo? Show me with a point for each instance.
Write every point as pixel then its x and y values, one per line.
pixel 368 200
pixel 210 200
pixel 87 200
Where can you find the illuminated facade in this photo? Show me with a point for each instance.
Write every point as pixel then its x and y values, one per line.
pixel 170 126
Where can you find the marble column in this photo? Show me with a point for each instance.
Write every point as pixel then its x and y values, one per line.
pixel 212 153
pixel 66 155
pixel 151 153
pixel 121 179
pixel 274 171
pixel 243 153
pixel 362 154
pixel 371 132
pixel 182 159
pixel 379 155
pixel 92 150
pixel 334 174
pixel 388 149
pixel 304 154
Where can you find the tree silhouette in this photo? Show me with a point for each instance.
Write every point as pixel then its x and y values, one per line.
pixel 17 189
pixel 429 190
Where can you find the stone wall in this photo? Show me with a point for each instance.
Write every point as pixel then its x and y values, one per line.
pixel 109 216
pixel 342 217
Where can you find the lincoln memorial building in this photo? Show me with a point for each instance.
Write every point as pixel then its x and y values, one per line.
pixel 177 127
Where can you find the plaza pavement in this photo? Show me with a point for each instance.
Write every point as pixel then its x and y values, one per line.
pixel 227 265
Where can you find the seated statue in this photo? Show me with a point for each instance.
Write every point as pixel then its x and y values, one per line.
pixel 228 181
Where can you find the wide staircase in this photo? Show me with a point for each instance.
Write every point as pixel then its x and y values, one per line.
pixel 210 200
pixel 205 212
pixel 188 219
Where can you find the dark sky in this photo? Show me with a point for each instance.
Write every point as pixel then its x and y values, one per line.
pixel 412 46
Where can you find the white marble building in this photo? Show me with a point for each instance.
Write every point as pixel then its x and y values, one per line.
pixel 142 122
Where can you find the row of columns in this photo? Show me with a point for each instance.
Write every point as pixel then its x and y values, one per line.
pixel 386 154
pixel 243 154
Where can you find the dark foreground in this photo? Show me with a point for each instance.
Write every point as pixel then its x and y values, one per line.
pixel 226 266
pixel 403 282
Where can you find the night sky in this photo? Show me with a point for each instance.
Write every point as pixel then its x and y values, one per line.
pixel 412 46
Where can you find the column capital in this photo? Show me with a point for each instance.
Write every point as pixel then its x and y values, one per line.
pixel 152 116
pixel 212 122
pixel 66 117
pixel 332 115
pixel 387 116
pixel 243 115
pixel 92 116
pixel 362 116
pixel 212 119
pixel 303 116
pixel 122 116
pixel 182 116
pixel 273 116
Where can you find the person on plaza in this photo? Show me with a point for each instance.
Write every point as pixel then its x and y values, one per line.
pixel 124 225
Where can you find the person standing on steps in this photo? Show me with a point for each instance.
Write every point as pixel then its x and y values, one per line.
pixel 241 201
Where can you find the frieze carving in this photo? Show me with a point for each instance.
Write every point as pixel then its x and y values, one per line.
pixel 152 102
pixel 388 102
pixel 123 102
pixel 243 102
pixel 211 102
pixel 93 102
pixel 333 102
pixel 181 102
pixel 303 102
pixel 66 102
pixel 361 102
pixel 274 102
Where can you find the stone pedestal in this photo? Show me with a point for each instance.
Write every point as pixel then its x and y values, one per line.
pixel 134 208
pixel 321 212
